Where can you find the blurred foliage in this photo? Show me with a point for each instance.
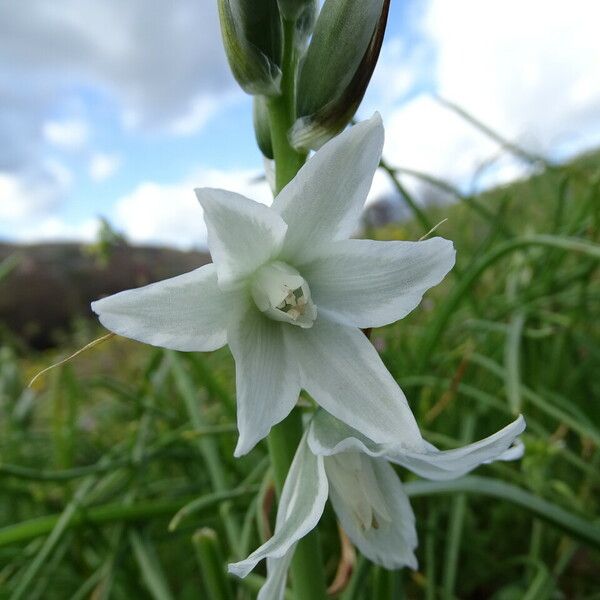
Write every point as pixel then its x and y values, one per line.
pixel 98 460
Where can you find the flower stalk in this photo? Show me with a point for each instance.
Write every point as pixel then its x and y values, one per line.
pixel 282 113
pixel 308 578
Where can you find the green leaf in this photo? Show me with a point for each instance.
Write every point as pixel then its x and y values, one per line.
pixel 150 568
pixel 579 527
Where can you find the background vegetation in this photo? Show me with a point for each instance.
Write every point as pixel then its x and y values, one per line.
pixel 116 472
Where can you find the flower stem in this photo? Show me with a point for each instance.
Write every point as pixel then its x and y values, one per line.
pixel 308 578
pixel 282 112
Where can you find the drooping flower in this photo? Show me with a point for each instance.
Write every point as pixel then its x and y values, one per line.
pixel 336 462
pixel 288 291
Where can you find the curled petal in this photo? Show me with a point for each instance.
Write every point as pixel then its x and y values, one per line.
pixel 450 464
pixel 188 312
pixel 300 508
pixel 327 437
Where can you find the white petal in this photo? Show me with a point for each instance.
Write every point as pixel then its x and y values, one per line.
pixel 328 436
pixel 324 201
pixel 390 542
pixel 342 371
pixel 277 570
pixel 300 508
pixel 242 234
pixel 370 284
pixel 188 312
pixel 266 376
pixel 514 452
pixel 449 464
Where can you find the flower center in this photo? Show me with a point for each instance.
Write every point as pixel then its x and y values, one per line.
pixel 282 294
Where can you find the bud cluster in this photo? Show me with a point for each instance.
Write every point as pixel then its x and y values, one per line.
pixel 336 52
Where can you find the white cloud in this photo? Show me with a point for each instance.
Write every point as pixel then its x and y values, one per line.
pixel 201 109
pixel 171 215
pixel 161 63
pixel 103 166
pixel 70 134
pixel 526 69
pixel 424 136
pixel 30 195
pixel 154 56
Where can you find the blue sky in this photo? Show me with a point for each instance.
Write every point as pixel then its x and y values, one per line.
pixel 119 109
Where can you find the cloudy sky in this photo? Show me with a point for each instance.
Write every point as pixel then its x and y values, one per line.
pixel 118 109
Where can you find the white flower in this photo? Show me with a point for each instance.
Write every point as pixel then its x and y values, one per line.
pixel 288 292
pixel 338 462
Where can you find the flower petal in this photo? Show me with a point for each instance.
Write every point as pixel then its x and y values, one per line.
pixel 300 508
pixel 391 539
pixel 277 570
pixel 266 377
pixel 242 234
pixel 187 312
pixel 342 371
pixel 370 284
pixel 324 201
pixel 327 436
pixel 450 464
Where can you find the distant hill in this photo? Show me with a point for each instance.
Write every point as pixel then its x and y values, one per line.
pixel 52 284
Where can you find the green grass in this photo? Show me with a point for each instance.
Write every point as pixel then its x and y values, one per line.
pixel 96 463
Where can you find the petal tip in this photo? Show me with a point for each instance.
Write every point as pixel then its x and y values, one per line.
pixel 376 118
pixel 239 569
pixel 243 446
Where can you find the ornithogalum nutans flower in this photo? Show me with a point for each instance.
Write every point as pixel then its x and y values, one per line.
pixel 289 292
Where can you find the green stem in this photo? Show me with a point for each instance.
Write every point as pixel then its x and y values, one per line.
pixel 282 113
pixel 210 559
pixel 113 513
pixel 307 565
pixel 417 211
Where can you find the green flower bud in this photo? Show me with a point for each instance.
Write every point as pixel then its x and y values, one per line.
pixel 337 68
pixel 305 22
pixel 262 126
pixel 292 9
pixel 253 38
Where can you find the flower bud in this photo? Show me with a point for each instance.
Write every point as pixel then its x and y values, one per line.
pixel 253 40
pixel 337 68
pixel 262 127
pixel 291 10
